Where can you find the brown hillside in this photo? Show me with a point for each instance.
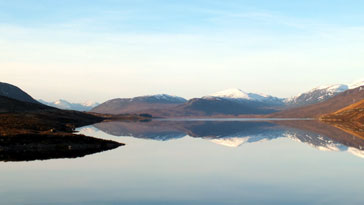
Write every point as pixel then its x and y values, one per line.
pixel 353 113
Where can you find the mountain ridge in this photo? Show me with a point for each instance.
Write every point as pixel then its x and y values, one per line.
pixel 331 105
pixel 320 94
pixel 138 104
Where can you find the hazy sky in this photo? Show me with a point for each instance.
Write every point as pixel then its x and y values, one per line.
pixel 101 49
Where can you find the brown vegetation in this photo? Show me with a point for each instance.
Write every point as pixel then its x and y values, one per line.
pixel 349 119
pixel 352 113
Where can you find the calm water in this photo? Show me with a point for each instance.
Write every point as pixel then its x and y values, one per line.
pixel 198 162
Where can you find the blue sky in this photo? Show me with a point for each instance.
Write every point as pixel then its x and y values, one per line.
pixel 97 50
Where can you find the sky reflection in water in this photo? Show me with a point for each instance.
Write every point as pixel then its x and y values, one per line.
pixel 203 162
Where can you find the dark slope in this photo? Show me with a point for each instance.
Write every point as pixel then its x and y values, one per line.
pixel 30 131
pixel 10 105
pixel 215 106
pixel 18 115
pixel 14 92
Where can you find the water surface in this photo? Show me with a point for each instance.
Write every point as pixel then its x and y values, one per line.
pixel 199 162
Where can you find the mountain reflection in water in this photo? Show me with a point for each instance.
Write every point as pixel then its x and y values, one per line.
pixel 235 133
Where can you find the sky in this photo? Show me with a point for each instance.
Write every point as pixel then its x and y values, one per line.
pixel 82 50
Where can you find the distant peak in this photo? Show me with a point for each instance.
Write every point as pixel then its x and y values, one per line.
pixel 90 103
pixel 235 93
pixel 163 96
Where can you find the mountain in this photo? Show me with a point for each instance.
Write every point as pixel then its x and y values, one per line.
pixel 316 95
pixel 65 105
pixel 333 104
pixel 223 106
pixel 138 104
pixel 227 102
pixel 14 92
pixel 237 95
pixel 320 94
pixel 231 102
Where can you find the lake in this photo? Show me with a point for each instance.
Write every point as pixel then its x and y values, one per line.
pixel 199 162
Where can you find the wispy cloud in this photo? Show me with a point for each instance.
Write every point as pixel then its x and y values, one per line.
pixel 217 48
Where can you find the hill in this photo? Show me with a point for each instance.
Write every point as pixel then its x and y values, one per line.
pixel 138 104
pixel 11 91
pixel 354 113
pixel 223 106
pixel 10 105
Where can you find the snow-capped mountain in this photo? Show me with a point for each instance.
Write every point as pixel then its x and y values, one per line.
pixel 65 105
pixel 238 94
pixel 233 93
pixel 320 94
pixel 316 95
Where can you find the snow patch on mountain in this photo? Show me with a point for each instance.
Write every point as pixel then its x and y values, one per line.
pixel 167 97
pixel 238 94
pixel 332 88
pixel 316 95
pixel 232 93
pixel 321 93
